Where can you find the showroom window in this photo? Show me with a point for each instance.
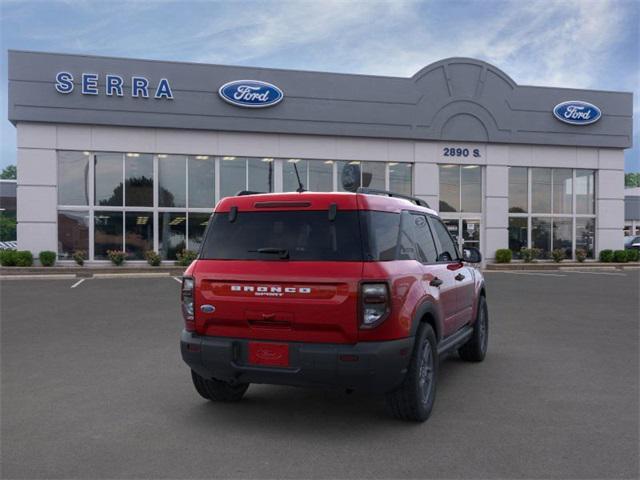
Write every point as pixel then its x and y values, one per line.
pixel 551 208
pixel 139 201
pixel 460 188
pixel 393 176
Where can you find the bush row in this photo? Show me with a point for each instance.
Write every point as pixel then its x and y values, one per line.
pixel 504 255
pixel 24 258
pixel 620 256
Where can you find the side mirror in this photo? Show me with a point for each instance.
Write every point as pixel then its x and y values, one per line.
pixel 350 177
pixel 471 255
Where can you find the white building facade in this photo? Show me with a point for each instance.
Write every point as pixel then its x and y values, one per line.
pixel 101 168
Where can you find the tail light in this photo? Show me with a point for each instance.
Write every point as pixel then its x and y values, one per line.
pixel 186 298
pixel 375 304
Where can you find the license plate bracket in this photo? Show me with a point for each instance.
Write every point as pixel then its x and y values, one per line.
pixel 267 354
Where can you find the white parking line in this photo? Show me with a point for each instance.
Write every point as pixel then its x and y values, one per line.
pixel 532 273
pixel 597 273
pixel 177 279
pixel 78 283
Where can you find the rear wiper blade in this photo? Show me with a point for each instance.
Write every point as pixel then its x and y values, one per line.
pixel 282 252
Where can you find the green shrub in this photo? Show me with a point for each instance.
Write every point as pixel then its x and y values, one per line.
pixel 185 257
pixel 503 255
pixel 558 255
pixel 117 257
pixel 24 258
pixel 153 258
pixel 581 254
pixel 633 255
pixel 47 258
pixel 606 255
pixel 526 254
pixel 80 256
pixel 620 256
pixel 8 258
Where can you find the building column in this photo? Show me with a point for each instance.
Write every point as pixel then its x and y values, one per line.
pixel 426 176
pixel 496 209
pixel 610 200
pixel 36 194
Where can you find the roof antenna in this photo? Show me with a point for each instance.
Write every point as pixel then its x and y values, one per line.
pixel 300 188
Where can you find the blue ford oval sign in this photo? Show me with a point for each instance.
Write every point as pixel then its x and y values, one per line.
pixel 251 93
pixel 577 112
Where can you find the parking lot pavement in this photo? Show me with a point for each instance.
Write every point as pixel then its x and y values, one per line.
pixel 93 387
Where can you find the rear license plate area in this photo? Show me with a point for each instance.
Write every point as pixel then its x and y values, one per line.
pixel 269 354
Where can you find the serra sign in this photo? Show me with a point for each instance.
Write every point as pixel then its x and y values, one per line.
pixel 250 93
pixel 113 85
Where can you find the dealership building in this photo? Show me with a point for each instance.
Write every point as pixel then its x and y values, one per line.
pixel 128 154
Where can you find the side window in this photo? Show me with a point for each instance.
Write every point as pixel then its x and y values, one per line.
pixel 447 250
pixel 426 244
pixel 407 243
pixel 382 231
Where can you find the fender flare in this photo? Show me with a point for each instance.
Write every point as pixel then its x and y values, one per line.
pixel 425 308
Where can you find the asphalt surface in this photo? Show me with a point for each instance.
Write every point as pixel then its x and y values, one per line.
pixel 93 386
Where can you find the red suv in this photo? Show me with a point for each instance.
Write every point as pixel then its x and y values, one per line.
pixel 358 290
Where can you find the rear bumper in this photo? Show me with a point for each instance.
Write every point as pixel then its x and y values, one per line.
pixel 380 366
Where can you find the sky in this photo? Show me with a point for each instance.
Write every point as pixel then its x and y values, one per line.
pixel 566 43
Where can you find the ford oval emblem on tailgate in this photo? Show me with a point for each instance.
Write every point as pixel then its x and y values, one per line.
pixel 207 308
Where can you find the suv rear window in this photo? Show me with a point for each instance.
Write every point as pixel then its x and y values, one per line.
pixel 294 235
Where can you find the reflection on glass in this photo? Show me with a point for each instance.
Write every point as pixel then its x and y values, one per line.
pixel 260 174
pixel 138 234
pixel 197 224
pixel 471 188
pixel 518 190
pixel 107 233
pixel 373 175
pixel 400 177
pixel 172 231
pixel 138 173
pixel 202 176
pixel 471 233
pixel 541 235
pixel 585 235
pixel 108 179
pixel 454 229
pixel 449 188
pixel 320 175
pixel 289 179
pixel 562 235
pixel 585 191
pixel 233 176
pixel 171 179
pixel 73 178
pixel 517 235
pixel 562 190
pixel 541 190
pixel 349 173
pixel 73 233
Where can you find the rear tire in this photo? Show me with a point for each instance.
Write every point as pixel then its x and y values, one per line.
pixel 217 390
pixel 414 399
pixel 476 347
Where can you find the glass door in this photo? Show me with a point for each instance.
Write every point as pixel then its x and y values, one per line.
pixel 465 231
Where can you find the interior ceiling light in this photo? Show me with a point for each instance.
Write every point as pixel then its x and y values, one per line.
pixel 293 160
pixel 228 158
pixel 329 162
pixel 267 159
pixel 202 157
pixel 162 155
pixel 470 166
pixel 354 163
pixel 133 154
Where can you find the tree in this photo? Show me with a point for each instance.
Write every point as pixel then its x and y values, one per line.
pixel 632 180
pixel 9 172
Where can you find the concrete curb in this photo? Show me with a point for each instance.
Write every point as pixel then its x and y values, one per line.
pixel 560 266
pixel 90 272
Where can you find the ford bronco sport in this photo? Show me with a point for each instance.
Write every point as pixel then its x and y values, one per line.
pixel 358 290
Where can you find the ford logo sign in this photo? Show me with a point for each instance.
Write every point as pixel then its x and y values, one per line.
pixel 577 112
pixel 250 93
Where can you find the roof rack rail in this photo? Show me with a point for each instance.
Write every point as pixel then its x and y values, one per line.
pixel 242 193
pixel 373 191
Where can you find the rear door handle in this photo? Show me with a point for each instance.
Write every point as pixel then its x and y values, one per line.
pixel 436 282
pixel 459 277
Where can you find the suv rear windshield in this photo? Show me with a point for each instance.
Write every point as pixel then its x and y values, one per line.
pixel 291 235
